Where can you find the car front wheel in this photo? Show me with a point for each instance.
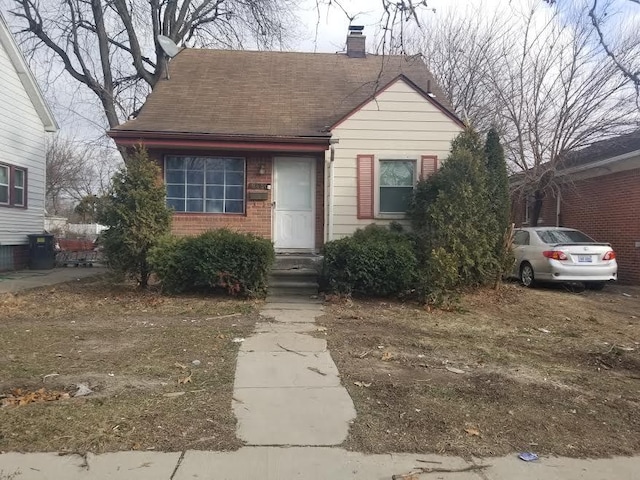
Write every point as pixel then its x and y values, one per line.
pixel 527 278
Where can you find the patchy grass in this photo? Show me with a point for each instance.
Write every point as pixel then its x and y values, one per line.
pixel 132 349
pixel 545 370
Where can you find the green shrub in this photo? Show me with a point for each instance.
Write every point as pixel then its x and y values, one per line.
pixel 237 263
pixel 136 214
pixel 374 261
pixel 454 223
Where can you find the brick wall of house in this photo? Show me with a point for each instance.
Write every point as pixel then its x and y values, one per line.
pixel 257 218
pixel 606 208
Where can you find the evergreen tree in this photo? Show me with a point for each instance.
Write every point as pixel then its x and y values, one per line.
pixel 498 189
pixel 497 180
pixel 453 221
pixel 136 214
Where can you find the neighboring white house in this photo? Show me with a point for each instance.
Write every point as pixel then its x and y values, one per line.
pixel 25 120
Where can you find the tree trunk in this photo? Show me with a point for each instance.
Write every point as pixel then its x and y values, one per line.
pixel 538 198
pixel 144 274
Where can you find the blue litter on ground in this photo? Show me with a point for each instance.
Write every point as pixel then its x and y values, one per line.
pixel 528 456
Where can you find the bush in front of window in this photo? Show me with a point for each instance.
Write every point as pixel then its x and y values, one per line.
pixel 218 260
pixel 375 261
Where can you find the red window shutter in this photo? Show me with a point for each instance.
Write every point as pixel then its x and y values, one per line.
pixel 365 186
pixel 429 166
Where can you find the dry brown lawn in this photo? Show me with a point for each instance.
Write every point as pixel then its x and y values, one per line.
pixel 542 370
pixel 131 349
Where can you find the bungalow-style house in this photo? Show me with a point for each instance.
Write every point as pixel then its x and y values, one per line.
pixel 25 120
pixel 301 148
pixel 599 194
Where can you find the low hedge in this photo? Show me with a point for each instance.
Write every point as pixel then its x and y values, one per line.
pixel 237 263
pixel 374 261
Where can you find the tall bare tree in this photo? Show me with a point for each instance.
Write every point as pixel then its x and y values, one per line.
pixel 111 46
pixel 459 46
pixel 557 94
pixel 621 44
pixel 75 170
pixel 541 77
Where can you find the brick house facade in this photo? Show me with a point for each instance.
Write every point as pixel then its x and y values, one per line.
pixel 599 195
pixel 268 142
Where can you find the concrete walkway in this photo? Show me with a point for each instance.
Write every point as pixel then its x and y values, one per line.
pixel 312 463
pixel 20 280
pixel 287 389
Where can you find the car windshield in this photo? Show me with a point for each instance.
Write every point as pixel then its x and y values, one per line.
pixel 563 236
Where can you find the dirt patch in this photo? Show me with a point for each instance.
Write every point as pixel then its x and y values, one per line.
pixel 516 370
pixel 131 349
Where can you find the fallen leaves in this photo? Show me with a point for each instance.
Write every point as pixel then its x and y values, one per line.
pixel 185 380
pixel 387 356
pixel 19 397
pixel 472 432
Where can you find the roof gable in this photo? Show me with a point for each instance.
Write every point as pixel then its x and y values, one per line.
pixel 285 94
pixel 428 96
pixel 26 77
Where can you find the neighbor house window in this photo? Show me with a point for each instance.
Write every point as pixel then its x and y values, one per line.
pixel 18 187
pixel 13 186
pixel 397 179
pixel 205 184
pixel 4 184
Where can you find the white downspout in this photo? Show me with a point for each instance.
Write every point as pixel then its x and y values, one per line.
pixel 558 205
pixel 332 158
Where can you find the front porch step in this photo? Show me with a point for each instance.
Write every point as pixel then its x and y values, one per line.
pixel 295 275
pixel 288 262
pixel 297 291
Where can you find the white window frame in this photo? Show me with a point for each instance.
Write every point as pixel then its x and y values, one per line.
pixel 392 158
pixel 204 186
pixel 21 187
pixel 7 185
pixel 12 187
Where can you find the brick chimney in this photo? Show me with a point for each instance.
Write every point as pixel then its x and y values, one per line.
pixel 356 42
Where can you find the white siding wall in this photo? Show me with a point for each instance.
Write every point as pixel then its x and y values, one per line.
pixel 400 124
pixel 22 143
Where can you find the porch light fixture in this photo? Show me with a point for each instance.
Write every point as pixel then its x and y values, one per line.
pixel 262 170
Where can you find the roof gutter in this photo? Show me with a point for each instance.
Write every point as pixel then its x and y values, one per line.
pixel 589 166
pixel 130 138
pixel 27 78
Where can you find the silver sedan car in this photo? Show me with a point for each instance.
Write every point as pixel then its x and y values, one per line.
pixel 557 254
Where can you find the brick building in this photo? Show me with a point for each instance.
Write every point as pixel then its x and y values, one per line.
pixel 600 195
pixel 300 148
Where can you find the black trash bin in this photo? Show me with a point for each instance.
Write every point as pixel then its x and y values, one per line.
pixel 42 255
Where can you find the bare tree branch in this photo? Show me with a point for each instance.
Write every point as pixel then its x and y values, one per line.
pixel 108 46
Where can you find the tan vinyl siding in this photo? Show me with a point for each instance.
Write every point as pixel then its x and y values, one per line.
pixel 22 144
pixel 399 124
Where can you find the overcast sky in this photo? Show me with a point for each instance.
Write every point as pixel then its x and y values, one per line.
pixel 77 110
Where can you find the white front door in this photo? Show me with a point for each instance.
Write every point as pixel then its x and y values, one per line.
pixel 294 209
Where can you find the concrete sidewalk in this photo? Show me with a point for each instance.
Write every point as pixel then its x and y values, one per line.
pixel 287 389
pixel 20 280
pixel 310 463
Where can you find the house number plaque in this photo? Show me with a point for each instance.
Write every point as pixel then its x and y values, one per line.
pixel 259 186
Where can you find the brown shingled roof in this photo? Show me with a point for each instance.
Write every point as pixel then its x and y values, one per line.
pixel 270 93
